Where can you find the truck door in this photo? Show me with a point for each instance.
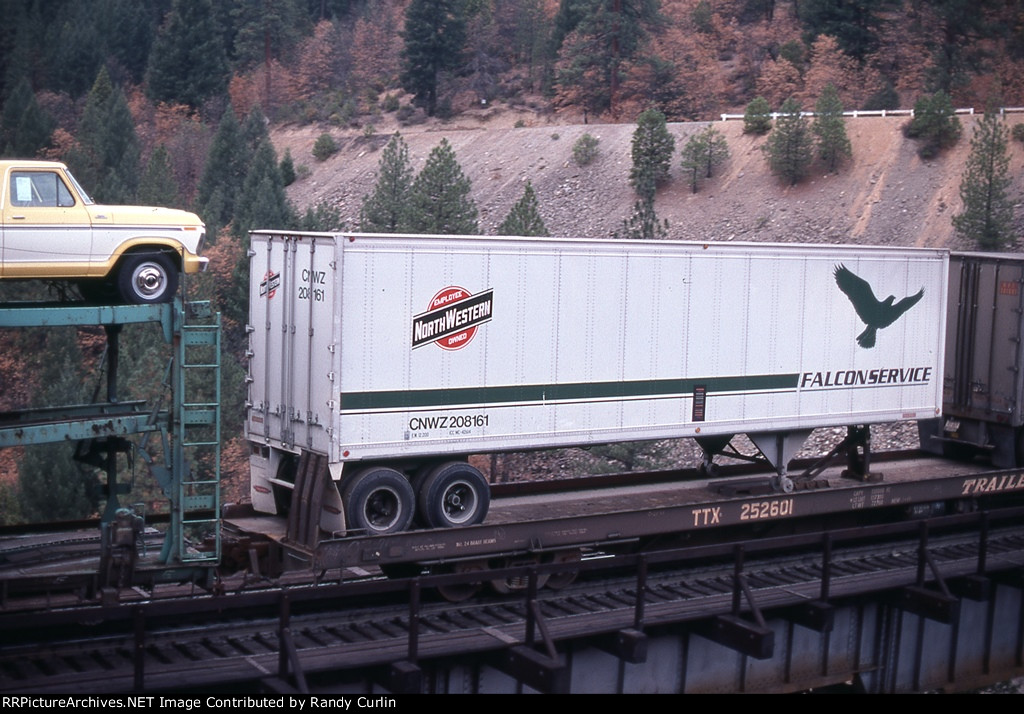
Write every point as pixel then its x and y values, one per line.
pixel 47 231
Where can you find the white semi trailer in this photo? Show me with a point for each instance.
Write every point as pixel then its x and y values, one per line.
pixel 384 360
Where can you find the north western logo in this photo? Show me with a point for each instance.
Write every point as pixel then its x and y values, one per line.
pixel 270 283
pixel 452 318
pixel 874 313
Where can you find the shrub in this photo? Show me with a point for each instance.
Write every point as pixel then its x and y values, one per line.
pixel 758 117
pixel 324 147
pixel 1018 132
pixel 585 149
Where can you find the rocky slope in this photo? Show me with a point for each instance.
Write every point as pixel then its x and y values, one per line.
pixel 884 195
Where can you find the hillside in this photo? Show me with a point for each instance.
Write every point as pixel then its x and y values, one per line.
pixel 885 195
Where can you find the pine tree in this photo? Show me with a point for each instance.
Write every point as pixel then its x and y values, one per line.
pixel 830 128
pixel 158 187
pixel 74 48
pixel 606 36
pixel 223 174
pixel 934 123
pixel 106 157
pixel 653 147
pixel 386 209
pixel 287 167
pixel 643 223
pixel 52 486
pixel 702 152
pixel 987 215
pixel 25 128
pixel 440 200
pixel 524 219
pixel 435 36
pixel 757 119
pixel 789 148
pixel 262 27
pixel 187 64
pixel 262 202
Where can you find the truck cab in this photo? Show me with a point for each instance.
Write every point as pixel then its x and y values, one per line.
pixel 51 229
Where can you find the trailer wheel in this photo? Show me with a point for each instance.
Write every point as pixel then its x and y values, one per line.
pixel 454 494
pixel 379 500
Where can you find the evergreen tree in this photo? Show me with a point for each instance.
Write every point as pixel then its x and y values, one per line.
pixel 25 128
pixel 440 200
pixel 262 202
pixel 187 64
pixel 52 486
pixel 652 151
pixel 854 23
pixel 322 218
pixel 158 187
pixel 386 209
pixel 74 48
pixel 435 36
pixel 790 149
pixel 524 218
pixel 643 223
pixel 287 168
pixel 702 152
pixel 106 157
pixel 958 54
pixel 757 119
pixel 830 128
pixel 608 35
pixel 263 27
pixel 223 175
pixel 987 215
pixel 934 124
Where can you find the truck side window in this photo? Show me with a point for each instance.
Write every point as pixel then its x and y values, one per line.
pixel 42 189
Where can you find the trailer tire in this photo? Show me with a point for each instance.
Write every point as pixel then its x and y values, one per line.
pixel 379 500
pixel 454 494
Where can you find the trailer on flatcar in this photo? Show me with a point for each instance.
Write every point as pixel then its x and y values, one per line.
pixel 377 363
pixel 983 395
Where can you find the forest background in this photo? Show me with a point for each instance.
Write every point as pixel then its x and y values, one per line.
pixel 274 114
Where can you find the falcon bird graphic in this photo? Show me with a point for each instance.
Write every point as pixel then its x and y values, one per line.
pixel 874 313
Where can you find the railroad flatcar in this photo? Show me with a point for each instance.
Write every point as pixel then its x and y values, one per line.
pixel 379 362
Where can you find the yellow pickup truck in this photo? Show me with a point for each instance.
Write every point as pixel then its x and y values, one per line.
pixel 50 229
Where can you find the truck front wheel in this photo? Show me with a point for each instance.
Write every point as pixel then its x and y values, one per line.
pixel 378 500
pixel 454 494
pixel 146 278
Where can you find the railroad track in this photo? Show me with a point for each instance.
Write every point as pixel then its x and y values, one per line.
pixel 225 645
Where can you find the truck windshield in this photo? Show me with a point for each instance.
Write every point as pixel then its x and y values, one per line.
pixel 86 198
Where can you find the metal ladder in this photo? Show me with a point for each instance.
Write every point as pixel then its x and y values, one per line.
pixel 194 535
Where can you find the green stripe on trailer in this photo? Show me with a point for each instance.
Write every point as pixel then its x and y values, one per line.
pixel 587 391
